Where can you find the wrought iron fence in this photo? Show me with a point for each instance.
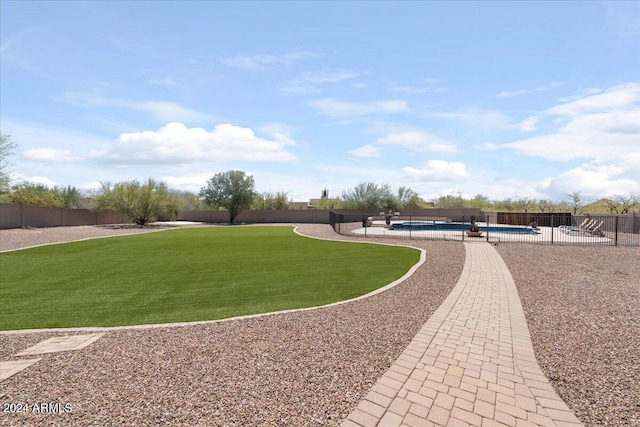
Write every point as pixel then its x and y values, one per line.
pixel 549 229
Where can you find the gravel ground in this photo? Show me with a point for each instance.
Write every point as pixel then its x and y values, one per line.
pixel 297 369
pixel 311 368
pixel 17 238
pixel 582 306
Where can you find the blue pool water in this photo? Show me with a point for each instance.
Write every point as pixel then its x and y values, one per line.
pixel 457 226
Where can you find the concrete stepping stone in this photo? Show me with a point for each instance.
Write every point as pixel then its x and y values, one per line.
pixel 11 367
pixel 64 343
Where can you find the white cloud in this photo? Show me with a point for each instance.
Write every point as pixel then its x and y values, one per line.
pixel 330 76
pixel 335 108
pixel 51 155
pixel 281 132
pixel 34 138
pixel 507 94
pixel 162 111
pixel 177 144
pixel 487 146
pixel 409 89
pixel 419 89
pixel 419 141
pixel 603 125
pixel 598 178
pixel 477 118
pixel 262 61
pixel 529 125
pixel 583 92
pixel 252 61
pixel 298 88
pixel 437 170
pixel 426 85
pixel 190 182
pixel 618 97
pixel 366 151
pixel 36 179
pixel 164 81
pixel 309 83
pixel 169 111
pixel 600 125
pixel 487 119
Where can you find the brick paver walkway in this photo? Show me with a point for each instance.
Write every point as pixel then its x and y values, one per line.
pixel 472 363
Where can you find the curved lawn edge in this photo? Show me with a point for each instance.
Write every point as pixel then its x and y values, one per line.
pixel 409 273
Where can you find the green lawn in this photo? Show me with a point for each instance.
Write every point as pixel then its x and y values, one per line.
pixel 187 274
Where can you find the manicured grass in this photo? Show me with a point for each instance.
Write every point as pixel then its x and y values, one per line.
pixel 187 274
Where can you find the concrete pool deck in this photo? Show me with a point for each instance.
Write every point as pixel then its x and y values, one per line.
pixel 471 364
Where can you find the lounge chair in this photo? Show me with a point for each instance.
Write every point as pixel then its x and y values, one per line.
pixel 567 228
pixel 583 223
pixel 595 230
pixel 585 227
pixel 579 229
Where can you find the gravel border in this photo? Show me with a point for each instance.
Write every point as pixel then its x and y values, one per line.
pixel 22 238
pixel 582 306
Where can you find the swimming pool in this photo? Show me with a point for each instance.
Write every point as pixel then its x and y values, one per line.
pixel 456 226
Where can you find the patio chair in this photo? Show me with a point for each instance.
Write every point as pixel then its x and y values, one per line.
pixel 574 228
pixel 579 229
pixel 596 230
pixel 587 226
pixel 582 224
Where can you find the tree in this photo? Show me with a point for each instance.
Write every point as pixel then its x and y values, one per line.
pixel 524 204
pixel 188 201
pixel 479 201
pixel 506 205
pixel 270 201
pixel 232 190
pixel 451 201
pixel 575 200
pixel 622 204
pixel 407 198
pixel 72 197
pixel 368 195
pixel 37 195
pixel 141 202
pixel 545 206
pixel 7 148
pixel 328 203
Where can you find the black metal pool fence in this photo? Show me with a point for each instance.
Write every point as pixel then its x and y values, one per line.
pixel 548 229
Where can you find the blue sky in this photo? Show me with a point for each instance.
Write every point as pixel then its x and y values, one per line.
pixel 505 99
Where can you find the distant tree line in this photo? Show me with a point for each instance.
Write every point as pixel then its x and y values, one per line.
pixel 235 191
